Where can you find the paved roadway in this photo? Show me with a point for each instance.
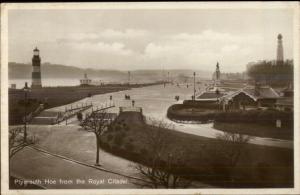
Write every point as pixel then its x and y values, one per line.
pixel 73 143
pixel 57 173
pixel 155 101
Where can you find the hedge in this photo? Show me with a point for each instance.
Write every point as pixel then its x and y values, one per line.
pixel 200 104
pixel 256 116
pixel 250 116
pixel 173 114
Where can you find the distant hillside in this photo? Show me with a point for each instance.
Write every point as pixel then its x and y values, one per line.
pixel 23 71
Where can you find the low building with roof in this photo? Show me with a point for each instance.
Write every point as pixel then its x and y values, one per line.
pixel 285 104
pixel 210 96
pixel 85 81
pixel 286 101
pixel 250 97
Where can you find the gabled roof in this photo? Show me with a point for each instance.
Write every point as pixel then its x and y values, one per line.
pixel 210 95
pixel 264 92
pixel 261 92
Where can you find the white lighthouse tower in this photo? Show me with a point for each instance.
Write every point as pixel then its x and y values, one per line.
pixel 36 72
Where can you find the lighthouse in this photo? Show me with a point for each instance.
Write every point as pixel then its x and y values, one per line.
pixel 36 71
pixel 279 60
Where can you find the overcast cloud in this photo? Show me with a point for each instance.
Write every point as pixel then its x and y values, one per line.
pixel 150 39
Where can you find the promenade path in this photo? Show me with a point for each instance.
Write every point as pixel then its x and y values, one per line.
pixel 57 173
pixel 72 142
pixel 155 100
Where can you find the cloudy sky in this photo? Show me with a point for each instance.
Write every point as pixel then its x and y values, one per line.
pixel 150 39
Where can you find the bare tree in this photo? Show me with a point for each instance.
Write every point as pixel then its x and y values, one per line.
pixel 16 140
pixel 233 147
pixel 97 122
pixel 226 153
pixel 162 162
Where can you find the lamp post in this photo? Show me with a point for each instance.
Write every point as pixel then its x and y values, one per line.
pixel 26 90
pixel 128 77
pixel 194 86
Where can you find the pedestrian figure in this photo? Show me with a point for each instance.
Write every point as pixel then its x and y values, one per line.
pixel 133 103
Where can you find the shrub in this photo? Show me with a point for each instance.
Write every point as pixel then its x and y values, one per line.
pixel 129 146
pixel 143 151
pixel 118 140
pixel 109 137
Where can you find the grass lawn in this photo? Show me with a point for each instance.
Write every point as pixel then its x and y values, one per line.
pixel 259 130
pixel 258 166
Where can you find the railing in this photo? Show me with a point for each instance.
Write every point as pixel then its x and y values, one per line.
pixel 104 106
pixel 78 106
pixel 70 112
pixel 30 116
pixel 131 109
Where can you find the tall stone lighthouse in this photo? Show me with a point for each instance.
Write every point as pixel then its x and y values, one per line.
pixel 36 72
pixel 279 59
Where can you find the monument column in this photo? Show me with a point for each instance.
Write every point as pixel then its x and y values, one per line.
pixel 279 59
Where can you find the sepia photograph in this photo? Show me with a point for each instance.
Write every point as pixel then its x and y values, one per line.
pixel 134 98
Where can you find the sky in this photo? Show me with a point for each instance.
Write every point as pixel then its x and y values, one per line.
pixel 129 39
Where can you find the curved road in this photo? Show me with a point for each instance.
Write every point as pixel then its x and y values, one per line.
pixel 155 101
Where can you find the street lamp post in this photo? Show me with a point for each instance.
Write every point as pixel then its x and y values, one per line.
pixel 194 86
pixel 26 89
pixel 128 77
